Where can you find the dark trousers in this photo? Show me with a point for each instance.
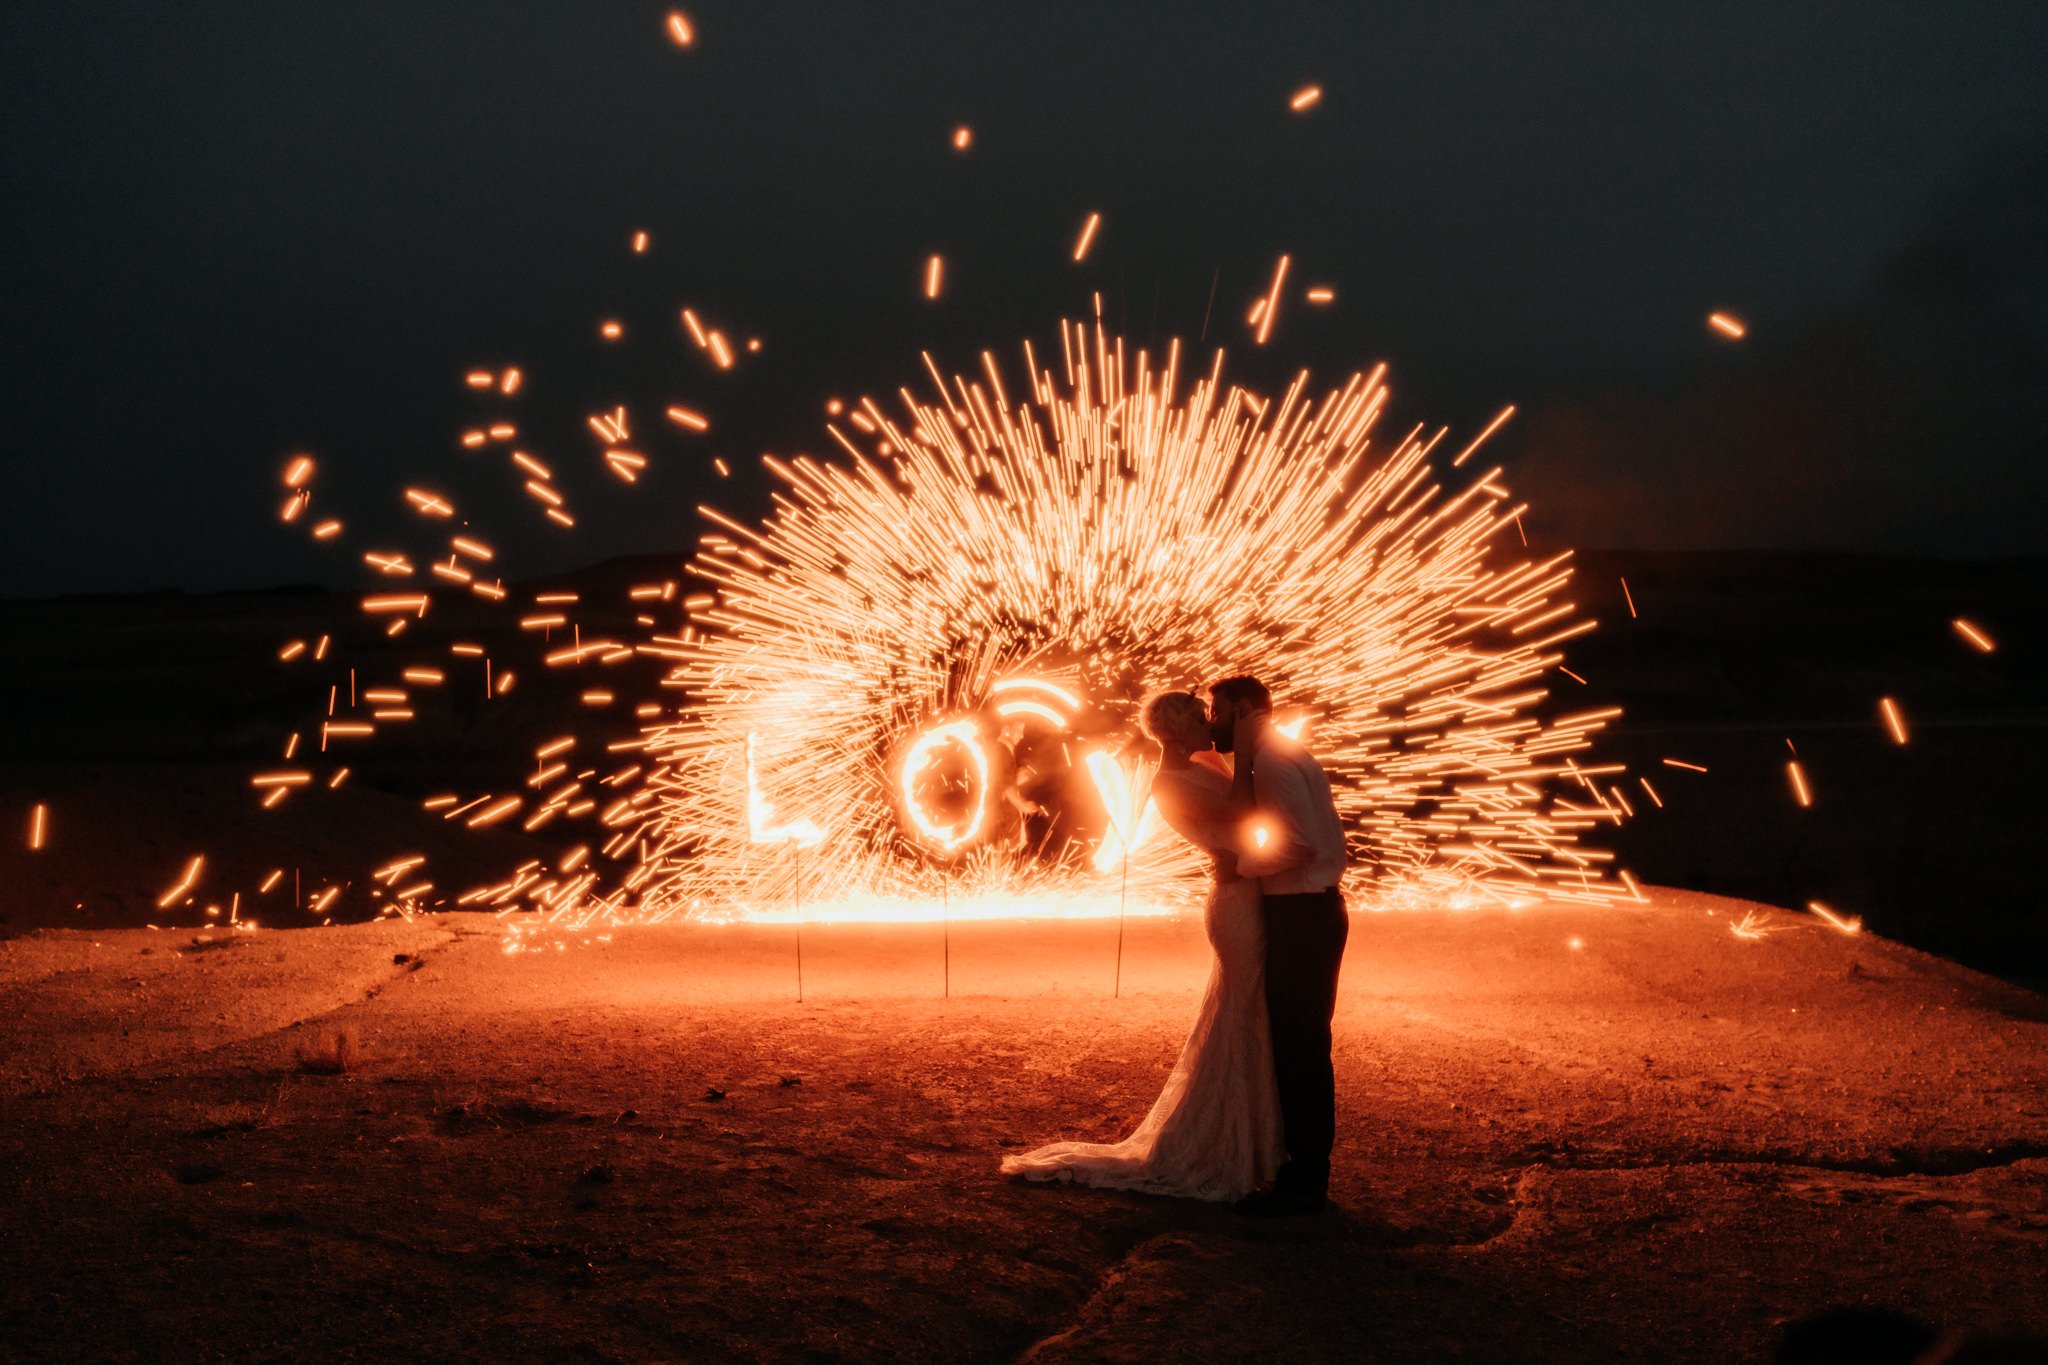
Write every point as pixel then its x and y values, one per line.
pixel 1304 950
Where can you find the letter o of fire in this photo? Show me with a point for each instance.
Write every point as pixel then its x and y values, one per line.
pixel 948 834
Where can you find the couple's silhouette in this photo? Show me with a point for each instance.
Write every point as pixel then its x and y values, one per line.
pixel 1249 1111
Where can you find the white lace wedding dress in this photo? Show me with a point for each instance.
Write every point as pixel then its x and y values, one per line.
pixel 1214 1132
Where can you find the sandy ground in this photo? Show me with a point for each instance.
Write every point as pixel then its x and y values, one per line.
pixel 1661 1145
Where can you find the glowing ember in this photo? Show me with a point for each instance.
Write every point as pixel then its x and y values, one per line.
pixel 183 885
pixel 1843 924
pixel 1306 98
pixel 1977 638
pixel 1087 235
pixel 1728 326
pixel 1894 721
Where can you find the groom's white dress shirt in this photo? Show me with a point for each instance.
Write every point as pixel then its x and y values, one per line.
pixel 1294 842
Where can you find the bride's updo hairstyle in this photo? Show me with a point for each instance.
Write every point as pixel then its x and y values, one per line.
pixel 1163 709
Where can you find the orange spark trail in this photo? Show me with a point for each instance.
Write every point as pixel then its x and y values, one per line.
pixel 1894 721
pixel 1500 420
pixel 1087 235
pixel 1628 597
pixel 1727 325
pixel 1844 924
pixel 680 30
pixel 1272 305
pixel 1974 635
pixel 963 137
pixel 184 883
pixel 38 820
pixel 1800 792
pixel 1306 98
pixel 932 268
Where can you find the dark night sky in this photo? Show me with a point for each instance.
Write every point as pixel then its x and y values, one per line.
pixel 235 230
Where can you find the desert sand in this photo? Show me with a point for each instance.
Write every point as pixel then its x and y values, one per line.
pixel 397 1138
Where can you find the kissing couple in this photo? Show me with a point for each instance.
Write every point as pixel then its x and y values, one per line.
pixel 1249 1113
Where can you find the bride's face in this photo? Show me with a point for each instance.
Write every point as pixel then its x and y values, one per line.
pixel 1189 734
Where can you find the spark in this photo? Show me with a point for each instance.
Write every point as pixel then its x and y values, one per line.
pixel 680 31
pixel 495 811
pixel 1320 294
pixel 1848 924
pixel 1727 325
pixel 611 329
pixel 932 270
pixel 1652 791
pixel 1628 597
pixel 1272 303
pixel 429 504
pixel 1306 98
pixel 183 884
pixel 1752 926
pixel 1087 235
pixel 1681 763
pixel 963 138
pixel 639 243
pixel 509 385
pixel 684 417
pixel 38 826
pixel 1894 721
pixel 1800 791
pixel 1974 635
pixel 1500 420
pixel 298 472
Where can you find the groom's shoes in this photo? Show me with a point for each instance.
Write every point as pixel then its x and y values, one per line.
pixel 1281 1202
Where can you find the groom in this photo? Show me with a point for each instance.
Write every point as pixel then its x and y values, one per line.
pixel 1297 854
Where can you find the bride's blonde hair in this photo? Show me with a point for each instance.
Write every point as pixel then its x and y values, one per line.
pixel 1163 708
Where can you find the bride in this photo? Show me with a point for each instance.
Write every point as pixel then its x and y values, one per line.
pixel 1214 1132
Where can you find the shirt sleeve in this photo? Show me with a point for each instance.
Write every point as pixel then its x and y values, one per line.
pixel 1283 806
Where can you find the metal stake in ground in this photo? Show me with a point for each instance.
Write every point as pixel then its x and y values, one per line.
pixel 1122 885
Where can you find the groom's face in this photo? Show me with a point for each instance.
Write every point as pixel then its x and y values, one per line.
pixel 1222 719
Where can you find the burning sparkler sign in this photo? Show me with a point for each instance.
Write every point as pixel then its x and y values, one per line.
pixel 915 684
pixel 934 650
